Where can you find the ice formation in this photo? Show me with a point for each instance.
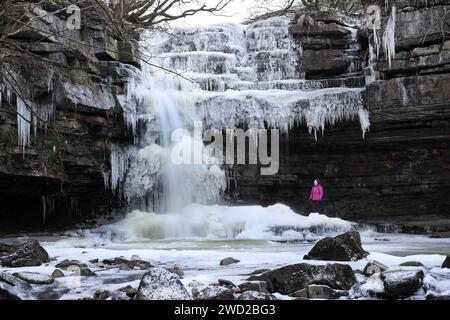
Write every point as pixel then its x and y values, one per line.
pixel 240 76
pixel 220 222
pixel 389 37
pixel 32 113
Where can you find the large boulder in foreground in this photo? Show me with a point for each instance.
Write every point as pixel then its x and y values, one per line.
pixel 401 283
pixel 27 254
pixel 345 247
pixel 160 284
pixel 292 278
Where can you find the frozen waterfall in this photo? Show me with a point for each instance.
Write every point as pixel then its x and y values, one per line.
pixel 226 76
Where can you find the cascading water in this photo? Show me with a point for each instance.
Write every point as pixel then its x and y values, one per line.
pixel 242 76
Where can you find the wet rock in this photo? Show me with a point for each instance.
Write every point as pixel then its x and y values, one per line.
pixel 129 291
pixel 214 293
pixel 373 267
pixel 228 261
pixel 86 272
pixel 94 261
pixel 446 263
pixel 102 294
pixel 400 283
pixel 13 281
pixel 195 284
pixel 139 265
pixel 177 270
pixel 256 295
pixel 27 254
pixel 226 283
pixel 260 286
pixel 160 284
pixel 411 264
pixel 52 294
pixel 432 296
pixel 70 264
pixel 345 247
pixel 319 292
pixel 292 278
pixel 115 261
pixel 57 274
pixel 34 278
pixel 8 292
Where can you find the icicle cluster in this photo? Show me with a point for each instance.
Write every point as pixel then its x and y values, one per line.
pixel 389 37
pixel 31 112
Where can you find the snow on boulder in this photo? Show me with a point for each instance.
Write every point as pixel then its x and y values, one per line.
pixel 160 284
pixel 228 261
pixel 213 293
pixel 402 283
pixel 34 278
pixel 292 278
pixel 27 254
pixel 345 247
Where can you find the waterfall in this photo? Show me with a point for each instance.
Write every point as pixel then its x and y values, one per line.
pixel 227 76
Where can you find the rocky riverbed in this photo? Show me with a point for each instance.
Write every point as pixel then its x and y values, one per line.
pixel 73 267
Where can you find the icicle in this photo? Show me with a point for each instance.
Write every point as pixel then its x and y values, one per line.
pixel 23 123
pixel 389 37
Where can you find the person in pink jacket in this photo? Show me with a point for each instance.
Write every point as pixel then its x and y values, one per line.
pixel 316 196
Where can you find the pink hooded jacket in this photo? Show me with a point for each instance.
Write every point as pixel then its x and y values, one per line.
pixel 316 193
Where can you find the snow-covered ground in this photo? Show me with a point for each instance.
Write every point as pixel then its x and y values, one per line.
pixel 199 257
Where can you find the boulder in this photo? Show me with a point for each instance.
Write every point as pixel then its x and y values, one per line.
pixel 13 281
pixel 292 278
pixel 345 247
pixel 57 274
pixel 86 272
pixel 177 270
pixel 432 296
pixel 102 294
pixel 228 261
pixel 373 267
pixel 256 295
pixel 34 277
pixel 319 292
pixel 160 284
pixel 400 283
pixel 27 254
pixel 446 263
pixel 129 291
pixel 260 286
pixel 214 293
pixel 226 283
pixel 373 287
pixel 69 264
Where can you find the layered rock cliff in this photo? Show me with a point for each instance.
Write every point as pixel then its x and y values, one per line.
pixel 59 111
pixel 400 171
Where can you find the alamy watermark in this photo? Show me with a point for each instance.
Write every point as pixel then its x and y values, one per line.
pixel 229 146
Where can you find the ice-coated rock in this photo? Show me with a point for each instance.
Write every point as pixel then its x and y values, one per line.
pixel 401 283
pixel 256 295
pixel 27 254
pixel 214 293
pixel 160 284
pixel 34 277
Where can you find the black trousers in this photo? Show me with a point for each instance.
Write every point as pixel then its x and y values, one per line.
pixel 317 206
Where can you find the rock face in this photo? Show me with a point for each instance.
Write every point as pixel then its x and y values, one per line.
pixel 446 263
pixel 345 247
pixel 58 178
pixel 399 283
pixel 292 278
pixel 27 254
pixel 402 164
pixel 160 284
